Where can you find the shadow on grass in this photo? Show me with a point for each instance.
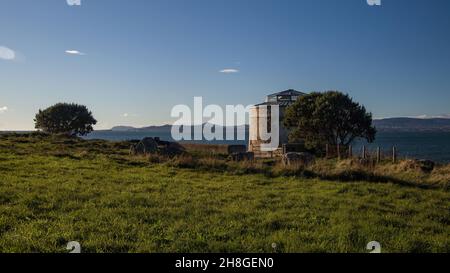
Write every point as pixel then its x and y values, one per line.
pixel 357 176
pixel 243 168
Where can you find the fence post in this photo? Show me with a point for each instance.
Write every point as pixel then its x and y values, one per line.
pixel 327 151
pixel 364 152
pixel 378 154
pixel 338 150
pixel 394 154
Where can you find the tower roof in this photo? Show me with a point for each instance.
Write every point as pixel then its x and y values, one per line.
pixel 289 92
pixel 283 98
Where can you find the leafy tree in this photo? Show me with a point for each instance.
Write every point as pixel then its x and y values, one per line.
pixel 328 118
pixel 65 118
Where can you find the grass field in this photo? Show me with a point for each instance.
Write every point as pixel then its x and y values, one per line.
pixel 56 190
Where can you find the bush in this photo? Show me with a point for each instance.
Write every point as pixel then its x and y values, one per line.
pixel 332 118
pixel 64 118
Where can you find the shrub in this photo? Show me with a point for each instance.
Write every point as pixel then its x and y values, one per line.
pixel 332 118
pixel 64 118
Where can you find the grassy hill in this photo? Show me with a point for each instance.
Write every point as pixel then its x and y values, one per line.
pixel 55 190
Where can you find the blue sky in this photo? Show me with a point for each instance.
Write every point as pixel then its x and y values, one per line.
pixel 137 59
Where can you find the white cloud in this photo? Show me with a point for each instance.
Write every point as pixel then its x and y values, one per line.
pixel 7 53
pixel 229 71
pixel 75 52
pixel 3 109
pixel 128 115
pixel 445 116
pixel 74 2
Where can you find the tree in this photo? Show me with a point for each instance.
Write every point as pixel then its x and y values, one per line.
pixel 65 118
pixel 328 118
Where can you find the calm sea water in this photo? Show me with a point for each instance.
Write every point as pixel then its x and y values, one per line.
pixel 166 136
pixel 422 145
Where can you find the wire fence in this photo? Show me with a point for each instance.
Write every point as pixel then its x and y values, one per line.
pixel 376 155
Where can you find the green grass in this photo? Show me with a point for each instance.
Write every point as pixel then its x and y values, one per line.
pixel 54 190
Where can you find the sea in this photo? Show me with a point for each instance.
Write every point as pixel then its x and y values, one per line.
pixel 415 145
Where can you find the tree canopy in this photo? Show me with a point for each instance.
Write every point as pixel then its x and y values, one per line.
pixel 331 118
pixel 65 118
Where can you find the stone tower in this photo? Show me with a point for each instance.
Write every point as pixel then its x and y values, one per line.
pixel 257 117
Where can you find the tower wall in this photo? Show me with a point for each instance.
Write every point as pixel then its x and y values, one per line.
pixel 256 123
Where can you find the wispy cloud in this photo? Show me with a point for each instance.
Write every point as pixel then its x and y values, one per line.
pixel 446 116
pixel 7 53
pixel 3 109
pixel 75 52
pixel 128 115
pixel 73 2
pixel 229 71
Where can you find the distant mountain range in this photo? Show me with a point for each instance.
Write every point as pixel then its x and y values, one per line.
pixel 162 128
pixel 413 124
pixel 388 124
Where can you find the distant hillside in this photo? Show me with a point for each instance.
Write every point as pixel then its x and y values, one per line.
pixel 163 128
pixel 123 128
pixel 413 124
pixel 389 124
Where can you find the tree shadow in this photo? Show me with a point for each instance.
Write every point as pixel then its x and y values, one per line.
pixel 362 176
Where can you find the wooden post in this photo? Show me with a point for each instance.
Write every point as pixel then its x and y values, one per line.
pixel 327 151
pixel 364 152
pixel 378 154
pixel 394 155
pixel 338 149
pixel 350 151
